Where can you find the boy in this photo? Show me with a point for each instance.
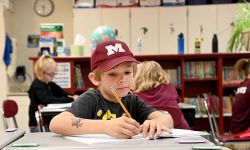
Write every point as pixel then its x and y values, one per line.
pixel 98 112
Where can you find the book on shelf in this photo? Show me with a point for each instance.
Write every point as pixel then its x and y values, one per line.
pixel 213 102
pixel 174 75
pixel 192 71
pixel 78 76
pixel 209 69
pixel 231 76
pixel 199 69
pixel 228 104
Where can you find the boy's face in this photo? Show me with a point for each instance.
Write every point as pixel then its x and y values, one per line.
pixel 120 78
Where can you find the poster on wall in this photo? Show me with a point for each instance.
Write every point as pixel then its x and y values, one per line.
pixel 33 41
pixel 63 77
pixel 51 30
pixel 51 37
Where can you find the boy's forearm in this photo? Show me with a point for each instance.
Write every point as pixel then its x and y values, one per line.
pixel 71 125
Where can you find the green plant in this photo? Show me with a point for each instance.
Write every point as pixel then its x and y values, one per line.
pixel 241 25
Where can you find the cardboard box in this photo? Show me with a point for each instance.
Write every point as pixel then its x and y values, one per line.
pixel 148 3
pixel 83 4
pixel 173 2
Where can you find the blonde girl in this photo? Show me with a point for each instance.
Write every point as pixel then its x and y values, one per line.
pixel 43 90
pixel 152 84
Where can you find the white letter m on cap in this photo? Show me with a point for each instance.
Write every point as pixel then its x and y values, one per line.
pixel 112 49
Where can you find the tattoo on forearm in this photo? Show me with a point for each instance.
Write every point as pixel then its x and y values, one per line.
pixel 76 122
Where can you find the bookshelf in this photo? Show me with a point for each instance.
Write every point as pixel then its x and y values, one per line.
pixel 187 87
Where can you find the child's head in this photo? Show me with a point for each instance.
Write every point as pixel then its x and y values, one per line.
pixel 243 67
pixel 45 68
pixel 149 75
pixel 112 65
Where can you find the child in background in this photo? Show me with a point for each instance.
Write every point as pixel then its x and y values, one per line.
pixel 98 112
pixel 240 119
pixel 43 90
pixel 153 86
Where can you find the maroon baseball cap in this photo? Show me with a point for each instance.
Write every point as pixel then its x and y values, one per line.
pixel 109 54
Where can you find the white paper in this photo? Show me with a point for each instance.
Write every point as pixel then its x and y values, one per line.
pixel 101 138
pixel 98 138
pixel 58 106
pixel 183 133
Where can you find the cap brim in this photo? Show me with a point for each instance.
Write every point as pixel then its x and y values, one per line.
pixel 106 66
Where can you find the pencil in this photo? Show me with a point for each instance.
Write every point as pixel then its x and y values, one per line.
pixel 70 96
pixel 120 102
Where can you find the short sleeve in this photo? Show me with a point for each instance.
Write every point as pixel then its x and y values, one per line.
pixel 84 106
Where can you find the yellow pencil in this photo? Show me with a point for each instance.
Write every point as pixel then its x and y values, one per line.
pixel 120 102
pixel 70 96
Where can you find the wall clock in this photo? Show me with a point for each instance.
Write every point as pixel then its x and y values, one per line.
pixel 44 8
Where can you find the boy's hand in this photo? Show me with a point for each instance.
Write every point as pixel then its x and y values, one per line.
pixel 122 127
pixel 150 128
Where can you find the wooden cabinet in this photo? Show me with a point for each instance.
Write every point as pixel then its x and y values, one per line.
pixel 225 17
pixel 201 24
pixel 144 31
pixel 170 26
pixel 77 68
pixel 158 32
pixel 119 20
pixel 85 21
pixel 187 87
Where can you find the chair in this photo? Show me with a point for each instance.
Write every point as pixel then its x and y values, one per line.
pixel 210 109
pixel 9 109
pixel 178 118
pixel 39 119
pixel 218 138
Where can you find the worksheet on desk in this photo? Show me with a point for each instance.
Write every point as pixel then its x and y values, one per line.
pixel 101 138
pixel 98 138
pixel 183 133
pixel 61 105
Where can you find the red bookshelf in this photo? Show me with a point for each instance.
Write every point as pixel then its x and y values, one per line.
pixel 187 87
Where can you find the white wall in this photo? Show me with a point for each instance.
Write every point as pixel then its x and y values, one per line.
pixel 19 24
pixel 3 85
pixel 25 21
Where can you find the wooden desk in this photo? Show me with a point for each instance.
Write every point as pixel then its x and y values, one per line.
pixel 8 137
pixel 49 140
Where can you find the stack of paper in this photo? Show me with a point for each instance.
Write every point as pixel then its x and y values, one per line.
pixel 101 138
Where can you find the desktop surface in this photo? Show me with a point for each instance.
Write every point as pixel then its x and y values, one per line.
pixel 50 140
pixel 9 137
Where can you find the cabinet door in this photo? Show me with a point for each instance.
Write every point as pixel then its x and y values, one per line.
pixel 225 17
pixel 144 28
pixel 118 19
pixel 85 21
pixel 201 24
pixel 170 26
